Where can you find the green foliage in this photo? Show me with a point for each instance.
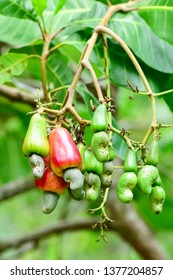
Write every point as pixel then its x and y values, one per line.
pixel 11 65
pixel 59 6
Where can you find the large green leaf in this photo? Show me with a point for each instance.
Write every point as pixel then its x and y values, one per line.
pixel 159 16
pixel 15 9
pixel 71 11
pixel 152 50
pixel 18 31
pixel 12 64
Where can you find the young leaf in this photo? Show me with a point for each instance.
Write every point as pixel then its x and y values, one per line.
pixel 59 6
pixel 39 6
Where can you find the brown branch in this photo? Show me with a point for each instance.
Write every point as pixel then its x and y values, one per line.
pixel 17 95
pixel 14 188
pixel 60 227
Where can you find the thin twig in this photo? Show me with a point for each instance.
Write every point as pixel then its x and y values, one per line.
pixel 60 227
pixel 17 95
pixel 88 65
pixel 14 188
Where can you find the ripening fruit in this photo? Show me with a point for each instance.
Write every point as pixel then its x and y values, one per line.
pixel 36 141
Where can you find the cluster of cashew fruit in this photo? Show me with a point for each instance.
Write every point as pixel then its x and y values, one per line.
pixel 55 160
pixel 147 179
pixel 59 164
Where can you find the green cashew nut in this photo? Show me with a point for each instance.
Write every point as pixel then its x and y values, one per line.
pixel 126 184
pixel 92 186
pixel 99 146
pixel 106 180
pixel 147 176
pixel 37 165
pixel 74 177
pixel 77 194
pixel 50 201
pixel 108 168
pixel 106 176
pixel 157 198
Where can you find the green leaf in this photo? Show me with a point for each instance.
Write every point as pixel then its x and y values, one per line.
pixel 39 6
pixel 59 73
pixel 137 34
pixel 159 16
pixel 15 9
pixel 18 31
pixel 152 50
pixel 12 64
pixel 59 6
pixel 71 11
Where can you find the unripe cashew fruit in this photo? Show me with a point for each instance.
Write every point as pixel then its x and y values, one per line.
pixel 157 198
pixel 99 120
pixel 130 163
pixel 92 164
pixel 147 176
pixel 106 176
pixel 126 184
pixel 158 181
pixel 99 145
pixel 92 186
pixel 37 165
pixel 50 200
pixel 106 180
pixel 74 177
pixel 153 153
pixel 108 167
pixel 36 141
pixel 111 152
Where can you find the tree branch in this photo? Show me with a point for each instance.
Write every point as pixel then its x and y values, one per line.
pixel 60 227
pixel 14 188
pixel 17 95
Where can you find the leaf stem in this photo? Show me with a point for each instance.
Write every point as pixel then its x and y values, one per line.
pixel 163 93
pixel 45 52
pixel 88 65
pixel 126 139
pixel 102 207
pixel 106 30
